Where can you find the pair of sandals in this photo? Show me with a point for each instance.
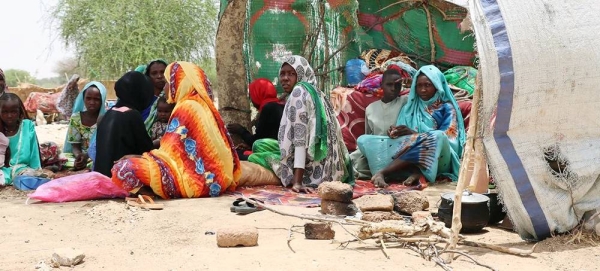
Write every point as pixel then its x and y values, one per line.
pixel 144 202
pixel 242 207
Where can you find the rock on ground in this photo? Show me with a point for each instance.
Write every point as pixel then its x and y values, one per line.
pixel 335 191
pixel 421 217
pixel 234 237
pixel 409 202
pixel 67 257
pixel 329 207
pixel 318 231
pixel 378 216
pixel 375 203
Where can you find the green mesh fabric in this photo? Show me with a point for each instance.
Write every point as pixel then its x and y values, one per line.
pixel 276 29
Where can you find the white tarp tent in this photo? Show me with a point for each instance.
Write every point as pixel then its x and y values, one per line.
pixel 539 63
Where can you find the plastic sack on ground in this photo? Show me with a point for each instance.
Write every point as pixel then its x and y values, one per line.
pixel 355 71
pixel 86 186
pixel 256 175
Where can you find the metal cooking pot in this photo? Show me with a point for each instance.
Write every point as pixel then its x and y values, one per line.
pixel 475 212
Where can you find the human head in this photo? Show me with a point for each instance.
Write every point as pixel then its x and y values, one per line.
pixel 390 85
pixel 134 90
pixel 156 71
pixel 12 110
pixel 3 86
pixel 92 99
pixel 163 109
pixel 433 82
pixel 185 79
pixel 262 91
pixel 293 70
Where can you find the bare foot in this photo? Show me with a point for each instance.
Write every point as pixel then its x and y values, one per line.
pixel 379 180
pixel 412 179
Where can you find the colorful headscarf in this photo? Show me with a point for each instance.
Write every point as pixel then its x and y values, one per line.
pixel 79 106
pixel 414 113
pixel 262 92
pixel 303 70
pixel 186 79
pixel 308 80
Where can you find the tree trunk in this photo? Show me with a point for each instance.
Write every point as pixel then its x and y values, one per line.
pixel 232 86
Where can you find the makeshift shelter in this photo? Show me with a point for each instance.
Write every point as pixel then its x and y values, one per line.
pixel 538 61
pixel 328 33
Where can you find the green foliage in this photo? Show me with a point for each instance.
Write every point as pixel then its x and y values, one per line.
pixel 51 82
pixel 14 77
pixel 113 36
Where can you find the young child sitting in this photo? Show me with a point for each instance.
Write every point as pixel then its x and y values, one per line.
pixel 163 113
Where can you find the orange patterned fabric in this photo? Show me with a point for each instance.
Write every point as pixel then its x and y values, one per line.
pixel 196 156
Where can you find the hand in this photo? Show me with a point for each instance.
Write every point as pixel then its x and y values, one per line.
pixel 81 161
pixel 398 131
pixel 300 188
pixel 403 83
pixel 235 128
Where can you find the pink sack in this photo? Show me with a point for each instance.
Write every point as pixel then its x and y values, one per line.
pixel 86 186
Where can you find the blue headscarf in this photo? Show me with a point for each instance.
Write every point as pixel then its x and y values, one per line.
pixel 414 113
pixel 79 107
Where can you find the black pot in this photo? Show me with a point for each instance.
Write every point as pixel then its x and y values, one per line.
pixel 475 212
pixel 497 213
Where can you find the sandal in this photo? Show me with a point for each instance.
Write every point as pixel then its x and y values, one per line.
pixel 240 206
pixel 144 202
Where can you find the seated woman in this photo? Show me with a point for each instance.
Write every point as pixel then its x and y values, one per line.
pixel 121 130
pixel 264 98
pixel 310 146
pixel 88 108
pixel 380 116
pixel 156 72
pixel 196 157
pixel 23 143
pixel 429 136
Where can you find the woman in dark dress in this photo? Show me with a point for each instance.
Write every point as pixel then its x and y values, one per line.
pixel 263 96
pixel 121 132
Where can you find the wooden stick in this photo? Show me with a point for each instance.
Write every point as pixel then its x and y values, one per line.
pixel 480 177
pixel 462 176
pixel 470 258
pixel 313 218
pixel 430 28
pixel 507 250
pixel 383 247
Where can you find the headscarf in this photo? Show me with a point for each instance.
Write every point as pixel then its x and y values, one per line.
pixel 303 70
pixel 262 92
pixel 186 79
pixel 152 62
pixel 79 106
pixel 5 84
pixel 134 90
pixel 414 113
pixel 308 81
pixel 141 68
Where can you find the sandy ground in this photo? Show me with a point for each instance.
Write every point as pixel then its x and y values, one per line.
pixel 115 237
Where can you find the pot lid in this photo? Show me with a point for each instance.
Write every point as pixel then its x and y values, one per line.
pixel 468 197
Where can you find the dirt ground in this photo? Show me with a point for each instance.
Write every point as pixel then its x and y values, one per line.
pixel 115 237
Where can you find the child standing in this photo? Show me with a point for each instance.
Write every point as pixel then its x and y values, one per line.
pixel 163 113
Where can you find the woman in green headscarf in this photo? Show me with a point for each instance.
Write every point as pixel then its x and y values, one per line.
pixel 428 138
pixel 309 149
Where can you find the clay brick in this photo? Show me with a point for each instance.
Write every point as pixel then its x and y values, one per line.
pixel 234 237
pixel 335 191
pixel 318 231
pixel 375 203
